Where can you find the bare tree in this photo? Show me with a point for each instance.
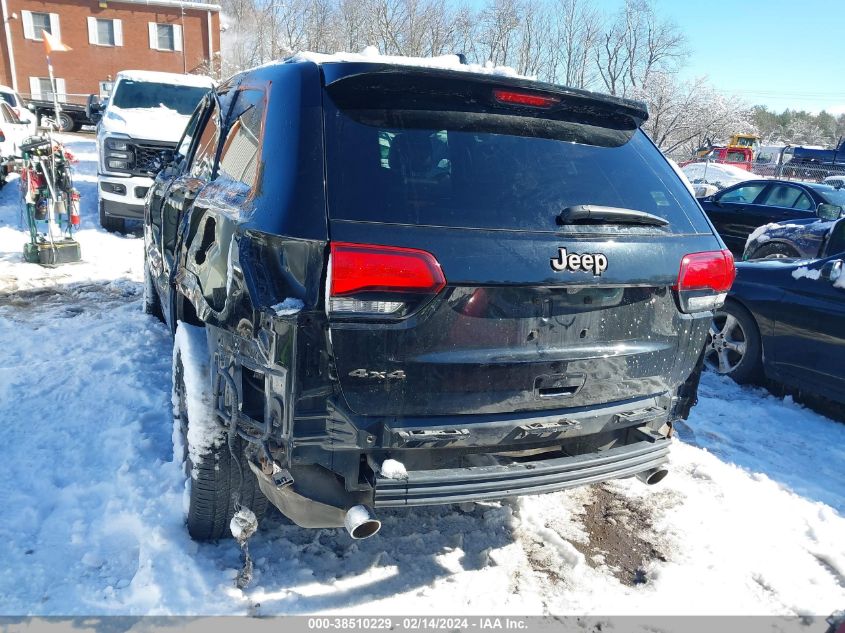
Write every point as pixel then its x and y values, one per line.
pixel 636 43
pixel 683 115
pixel 574 33
pixel 611 59
pixel 533 43
pixel 499 22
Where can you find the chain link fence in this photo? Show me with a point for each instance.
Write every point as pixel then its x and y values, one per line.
pixel 708 175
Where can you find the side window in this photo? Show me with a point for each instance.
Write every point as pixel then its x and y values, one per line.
pixel 190 132
pixel 202 164
pixel 743 195
pixel 8 114
pixel 803 203
pixel 241 154
pixel 782 196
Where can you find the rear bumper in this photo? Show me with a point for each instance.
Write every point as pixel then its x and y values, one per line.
pixel 482 483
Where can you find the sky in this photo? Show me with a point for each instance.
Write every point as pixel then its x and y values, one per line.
pixel 778 53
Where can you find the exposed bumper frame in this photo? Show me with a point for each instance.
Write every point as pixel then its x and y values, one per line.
pixel 484 483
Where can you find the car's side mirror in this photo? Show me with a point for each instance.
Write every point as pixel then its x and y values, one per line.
pixel 832 271
pixel 94 108
pixel 26 121
pixel 828 212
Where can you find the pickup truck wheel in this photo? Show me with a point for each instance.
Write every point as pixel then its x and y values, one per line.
pixel 774 251
pixel 212 472
pixel 152 302
pixel 733 345
pixel 66 123
pixel 110 224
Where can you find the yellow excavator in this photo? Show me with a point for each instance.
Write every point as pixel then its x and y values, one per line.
pixel 751 141
pixel 745 140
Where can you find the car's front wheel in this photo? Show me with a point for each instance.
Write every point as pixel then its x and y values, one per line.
pixel 774 251
pixel 213 469
pixel 733 345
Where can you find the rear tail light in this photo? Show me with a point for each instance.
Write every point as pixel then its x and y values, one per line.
pixel 381 280
pixel 704 280
pixel 525 99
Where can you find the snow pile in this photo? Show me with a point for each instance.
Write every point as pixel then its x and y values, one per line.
pixel 176 79
pixel 393 469
pixel 446 62
pixel 681 175
pixel 288 307
pixel 204 430
pixel 757 234
pixel 804 272
pixel 717 174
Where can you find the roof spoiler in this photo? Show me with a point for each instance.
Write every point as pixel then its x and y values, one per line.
pixel 339 72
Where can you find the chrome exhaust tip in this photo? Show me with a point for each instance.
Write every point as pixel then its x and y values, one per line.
pixel 361 523
pixel 652 476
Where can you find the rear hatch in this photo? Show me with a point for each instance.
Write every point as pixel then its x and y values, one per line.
pixel 466 273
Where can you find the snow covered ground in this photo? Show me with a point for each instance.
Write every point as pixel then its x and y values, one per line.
pixel 750 520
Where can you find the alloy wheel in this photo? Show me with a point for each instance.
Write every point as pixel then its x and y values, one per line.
pixel 726 343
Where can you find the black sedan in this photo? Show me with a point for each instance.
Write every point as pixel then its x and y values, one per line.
pixel 804 239
pixel 738 210
pixel 785 320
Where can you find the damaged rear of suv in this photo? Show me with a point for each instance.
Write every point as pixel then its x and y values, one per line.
pixel 398 286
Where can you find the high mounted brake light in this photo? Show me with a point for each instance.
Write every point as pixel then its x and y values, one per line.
pixel 704 280
pixel 525 99
pixel 402 274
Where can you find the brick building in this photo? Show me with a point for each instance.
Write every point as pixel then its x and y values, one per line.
pixel 106 37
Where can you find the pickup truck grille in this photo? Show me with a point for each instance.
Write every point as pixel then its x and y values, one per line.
pixel 146 155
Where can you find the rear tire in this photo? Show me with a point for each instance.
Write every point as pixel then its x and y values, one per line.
pixel 213 473
pixel 110 224
pixel 66 123
pixel 775 251
pixel 733 345
pixel 152 302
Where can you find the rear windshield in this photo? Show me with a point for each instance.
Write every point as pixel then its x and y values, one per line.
pixel 483 170
pixel 832 194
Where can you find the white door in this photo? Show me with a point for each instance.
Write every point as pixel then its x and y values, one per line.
pixel 14 129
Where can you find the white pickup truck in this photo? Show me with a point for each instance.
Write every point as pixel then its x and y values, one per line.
pixel 145 114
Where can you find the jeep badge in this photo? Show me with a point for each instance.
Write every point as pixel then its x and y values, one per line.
pixel 593 262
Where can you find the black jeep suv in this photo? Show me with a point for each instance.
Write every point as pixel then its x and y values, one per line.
pixel 395 286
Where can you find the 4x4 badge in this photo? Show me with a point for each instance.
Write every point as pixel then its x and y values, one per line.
pixel 592 262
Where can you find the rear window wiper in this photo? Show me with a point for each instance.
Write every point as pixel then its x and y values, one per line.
pixel 595 214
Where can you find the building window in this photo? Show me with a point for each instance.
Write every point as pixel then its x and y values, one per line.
pixel 40 88
pixel 165 37
pixel 35 23
pixel 105 32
